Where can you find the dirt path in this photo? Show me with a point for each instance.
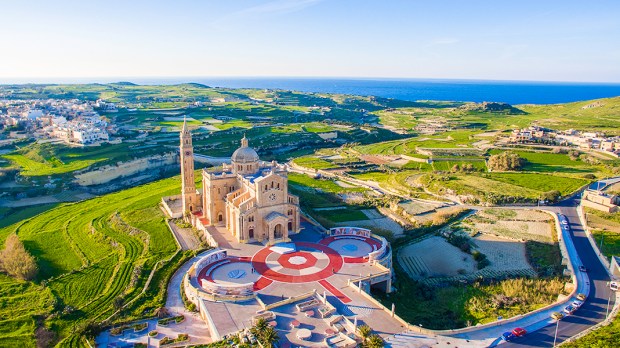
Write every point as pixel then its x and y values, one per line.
pixel 186 237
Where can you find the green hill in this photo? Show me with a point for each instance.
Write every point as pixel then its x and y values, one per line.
pixel 93 256
pixel 592 115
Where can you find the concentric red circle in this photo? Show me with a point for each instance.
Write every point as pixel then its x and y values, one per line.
pixel 259 261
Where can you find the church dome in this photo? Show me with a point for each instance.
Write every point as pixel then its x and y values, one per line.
pixel 244 154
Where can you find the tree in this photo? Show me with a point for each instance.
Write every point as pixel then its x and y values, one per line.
pixel 364 331
pixel 269 337
pixel 259 327
pixel 505 161
pixel 374 341
pixel 16 261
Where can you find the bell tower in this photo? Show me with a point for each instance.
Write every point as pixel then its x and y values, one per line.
pixel 188 186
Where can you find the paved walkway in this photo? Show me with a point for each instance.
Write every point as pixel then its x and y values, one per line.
pixel 193 325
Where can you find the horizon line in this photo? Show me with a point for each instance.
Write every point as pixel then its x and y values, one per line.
pixel 113 79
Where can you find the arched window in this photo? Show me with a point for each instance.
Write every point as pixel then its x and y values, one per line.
pixel 290 212
pixel 272 184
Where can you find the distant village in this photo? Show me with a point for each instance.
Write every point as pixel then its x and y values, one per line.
pixel 71 121
pixel 571 137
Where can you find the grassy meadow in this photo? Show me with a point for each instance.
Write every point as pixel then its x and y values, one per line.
pixel 90 263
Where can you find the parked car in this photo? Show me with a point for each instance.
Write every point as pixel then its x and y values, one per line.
pixel 581 297
pixel 583 269
pixel 557 315
pixel 519 332
pixel 569 309
pixel 576 304
pixel 614 286
pixel 564 222
pixel 507 336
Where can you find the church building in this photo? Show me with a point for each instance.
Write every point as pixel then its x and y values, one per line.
pixel 249 197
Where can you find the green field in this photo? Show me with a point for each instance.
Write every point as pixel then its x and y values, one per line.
pixel 541 182
pixel 604 117
pixel 58 159
pixel 550 162
pixel 87 257
pixel 325 185
pixel 30 167
pixel 500 188
pixel 314 163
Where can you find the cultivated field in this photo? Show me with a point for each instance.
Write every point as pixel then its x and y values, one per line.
pixel 516 224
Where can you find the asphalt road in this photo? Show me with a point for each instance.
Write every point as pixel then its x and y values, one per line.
pixel 594 309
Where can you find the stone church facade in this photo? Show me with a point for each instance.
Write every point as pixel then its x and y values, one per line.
pixel 249 197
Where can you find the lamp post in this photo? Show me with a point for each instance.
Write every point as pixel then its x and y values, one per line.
pixel 555 338
pixel 608 301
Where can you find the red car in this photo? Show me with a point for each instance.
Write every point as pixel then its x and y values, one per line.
pixel 519 332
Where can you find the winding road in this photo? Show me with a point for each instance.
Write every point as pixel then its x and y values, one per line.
pixel 599 300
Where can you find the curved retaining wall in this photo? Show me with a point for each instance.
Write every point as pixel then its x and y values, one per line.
pixel 214 291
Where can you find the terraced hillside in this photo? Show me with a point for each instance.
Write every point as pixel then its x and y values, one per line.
pixel 94 257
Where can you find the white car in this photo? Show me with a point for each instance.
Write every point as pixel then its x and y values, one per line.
pixel 614 286
pixel 576 303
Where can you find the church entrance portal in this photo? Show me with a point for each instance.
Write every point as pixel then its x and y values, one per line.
pixel 251 233
pixel 277 232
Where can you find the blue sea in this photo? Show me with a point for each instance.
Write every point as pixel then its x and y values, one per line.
pixel 512 92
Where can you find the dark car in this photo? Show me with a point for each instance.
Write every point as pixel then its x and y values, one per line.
pixel 583 269
pixel 507 336
pixel 569 309
pixel 519 332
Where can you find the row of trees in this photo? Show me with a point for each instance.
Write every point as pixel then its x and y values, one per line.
pixel 16 261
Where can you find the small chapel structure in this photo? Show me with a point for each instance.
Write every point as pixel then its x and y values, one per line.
pixel 248 197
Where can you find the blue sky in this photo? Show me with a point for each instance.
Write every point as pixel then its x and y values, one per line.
pixel 502 40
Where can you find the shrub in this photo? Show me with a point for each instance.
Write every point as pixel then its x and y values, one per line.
pixel 16 261
pixel 460 241
pixel 153 333
pixel 551 196
pixel 140 327
pixel 166 340
pixel 505 161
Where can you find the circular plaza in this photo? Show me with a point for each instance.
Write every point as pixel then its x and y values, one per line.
pixel 219 276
